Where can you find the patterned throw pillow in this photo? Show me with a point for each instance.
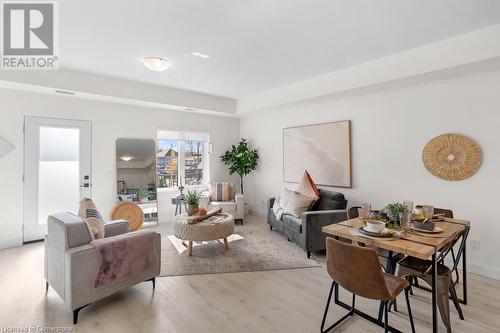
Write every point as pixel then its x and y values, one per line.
pixel 96 227
pixel 308 189
pixel 220 191
pixel 88 209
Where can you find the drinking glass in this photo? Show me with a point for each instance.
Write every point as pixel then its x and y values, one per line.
pixel 428 212
pixel 366 208
pixel 408 205
pixel 404 221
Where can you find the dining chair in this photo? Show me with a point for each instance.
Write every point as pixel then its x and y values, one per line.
pixel 411 267
pixel 353 212
pixel 448 213
pixel 358 270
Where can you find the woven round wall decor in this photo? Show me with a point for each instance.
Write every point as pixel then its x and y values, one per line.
pixel 452 157
pixel 129 212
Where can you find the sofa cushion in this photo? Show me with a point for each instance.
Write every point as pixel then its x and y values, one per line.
pixel 220 191
pixel 227 206
pixel 330 200
pixel 296 203
pixel 88 210
pixel 308 189
pixel 96 227
pixel 292 222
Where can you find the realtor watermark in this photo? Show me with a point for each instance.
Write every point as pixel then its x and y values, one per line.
pixel 28 329
pixel 30 35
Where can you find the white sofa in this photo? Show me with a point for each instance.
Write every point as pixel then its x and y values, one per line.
pixel 235 207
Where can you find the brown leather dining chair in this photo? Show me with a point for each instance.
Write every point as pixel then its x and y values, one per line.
pixel 358 270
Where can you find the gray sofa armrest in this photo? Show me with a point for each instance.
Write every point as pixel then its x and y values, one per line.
pixel 115 227
pixel 314 221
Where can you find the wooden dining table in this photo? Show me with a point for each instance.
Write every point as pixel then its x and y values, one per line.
pixel 416 244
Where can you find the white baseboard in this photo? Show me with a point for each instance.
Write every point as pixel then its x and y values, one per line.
pixel 487 271
pixel 8 243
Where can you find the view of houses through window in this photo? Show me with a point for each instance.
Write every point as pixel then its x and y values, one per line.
pixel 180 162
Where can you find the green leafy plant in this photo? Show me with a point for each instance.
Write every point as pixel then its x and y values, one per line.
pixel 241 160
pixel 144 192
pixel 394 209
pixel 192 197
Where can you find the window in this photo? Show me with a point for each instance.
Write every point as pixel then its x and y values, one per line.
pixel 181 159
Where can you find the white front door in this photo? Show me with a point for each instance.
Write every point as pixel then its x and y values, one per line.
pixel 57 170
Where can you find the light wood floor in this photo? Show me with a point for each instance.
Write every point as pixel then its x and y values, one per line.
pixel 275 301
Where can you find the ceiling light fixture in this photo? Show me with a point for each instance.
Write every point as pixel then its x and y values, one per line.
pixel 201 55
pixel 157 64
pixel 127 158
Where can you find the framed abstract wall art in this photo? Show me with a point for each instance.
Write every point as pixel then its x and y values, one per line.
pixel 324 150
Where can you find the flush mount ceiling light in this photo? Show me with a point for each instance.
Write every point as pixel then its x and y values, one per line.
pixel 126 158
pixel 157 64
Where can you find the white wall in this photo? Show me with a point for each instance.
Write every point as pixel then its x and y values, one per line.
pixel 389 130
pixel 109 122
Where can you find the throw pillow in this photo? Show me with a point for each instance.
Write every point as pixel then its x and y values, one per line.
pixel 220 191
pixel 88 209
pixel 96 227
pixel 296 203
pixel 308 189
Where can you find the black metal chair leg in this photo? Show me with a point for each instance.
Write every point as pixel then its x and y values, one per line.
pixel 351 312
pixel 409 309
pixel 76 312
pixel 386 322
pixel 454 298
pixel 271 227
pixel 46 287
pixel 308 254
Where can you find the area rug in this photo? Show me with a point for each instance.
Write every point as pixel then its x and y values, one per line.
pixel 252 247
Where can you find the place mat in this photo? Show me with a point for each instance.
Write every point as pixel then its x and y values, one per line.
pixel 356 232
pixel 423 234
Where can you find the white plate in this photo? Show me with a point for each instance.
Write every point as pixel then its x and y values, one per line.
pixel 384 231
pixel 435 231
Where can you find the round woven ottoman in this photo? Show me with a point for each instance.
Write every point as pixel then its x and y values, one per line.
pixel 203 230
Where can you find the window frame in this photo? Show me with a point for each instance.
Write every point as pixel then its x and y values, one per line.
pixel 181 161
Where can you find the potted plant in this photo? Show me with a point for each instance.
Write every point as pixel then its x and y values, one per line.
pixel 393 211
pixel 192 199
pixel 143 194
pixel 241 160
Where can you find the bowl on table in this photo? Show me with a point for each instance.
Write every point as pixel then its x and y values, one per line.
pixel 375 226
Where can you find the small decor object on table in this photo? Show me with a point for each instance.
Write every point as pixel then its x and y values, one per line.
pixel 192 199
pixel 181 188
pixel 143 194
pixel 393 212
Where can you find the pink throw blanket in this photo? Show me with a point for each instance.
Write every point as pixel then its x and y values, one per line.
pixel 124 256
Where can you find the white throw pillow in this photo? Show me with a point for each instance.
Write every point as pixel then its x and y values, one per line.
pixel 296 204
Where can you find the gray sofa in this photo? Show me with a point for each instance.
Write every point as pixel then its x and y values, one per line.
pixel 71 262
pixel 306 231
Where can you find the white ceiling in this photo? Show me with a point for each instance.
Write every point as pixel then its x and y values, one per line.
pixel 253 45
pixel 139 149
